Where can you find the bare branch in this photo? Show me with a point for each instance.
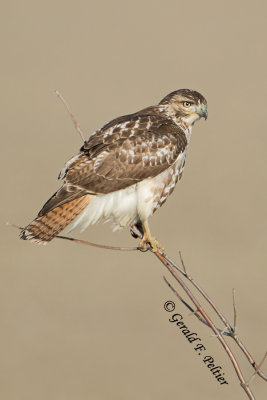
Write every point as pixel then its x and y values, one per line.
pixel 229 352
pixel 101 246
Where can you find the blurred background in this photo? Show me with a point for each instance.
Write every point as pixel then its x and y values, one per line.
pixel 84 323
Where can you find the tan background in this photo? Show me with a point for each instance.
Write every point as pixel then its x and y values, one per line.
pixel 83 323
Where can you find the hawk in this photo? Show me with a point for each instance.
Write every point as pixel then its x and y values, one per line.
pixel 124 172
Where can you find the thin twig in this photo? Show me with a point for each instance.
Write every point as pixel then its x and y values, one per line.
pixel 183 264
pixel 101 246
pixel 235 313
pixel 75 122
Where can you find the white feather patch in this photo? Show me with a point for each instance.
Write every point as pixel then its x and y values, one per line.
pixel 118 207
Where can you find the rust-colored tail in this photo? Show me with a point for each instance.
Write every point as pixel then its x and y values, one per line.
pixel 47 226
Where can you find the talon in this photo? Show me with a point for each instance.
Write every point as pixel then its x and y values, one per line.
pixel 148 242
pixel 143 246
pixel 151 242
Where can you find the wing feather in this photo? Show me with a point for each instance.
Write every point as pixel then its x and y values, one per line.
pixel 125 153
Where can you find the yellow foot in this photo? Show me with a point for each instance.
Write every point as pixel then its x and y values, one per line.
pixel 150 242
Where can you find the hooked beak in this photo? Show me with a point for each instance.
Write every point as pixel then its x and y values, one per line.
pixel 203 112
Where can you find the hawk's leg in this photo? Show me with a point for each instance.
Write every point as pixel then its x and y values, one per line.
pixel 149 240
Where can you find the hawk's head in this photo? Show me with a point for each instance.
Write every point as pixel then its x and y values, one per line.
pixel 185 105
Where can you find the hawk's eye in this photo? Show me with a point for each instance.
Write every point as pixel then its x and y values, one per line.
pixel 187 104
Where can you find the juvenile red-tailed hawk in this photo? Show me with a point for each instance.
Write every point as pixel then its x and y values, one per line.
pixel 125 171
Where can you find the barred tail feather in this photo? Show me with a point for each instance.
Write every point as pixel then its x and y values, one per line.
pixel 46 227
